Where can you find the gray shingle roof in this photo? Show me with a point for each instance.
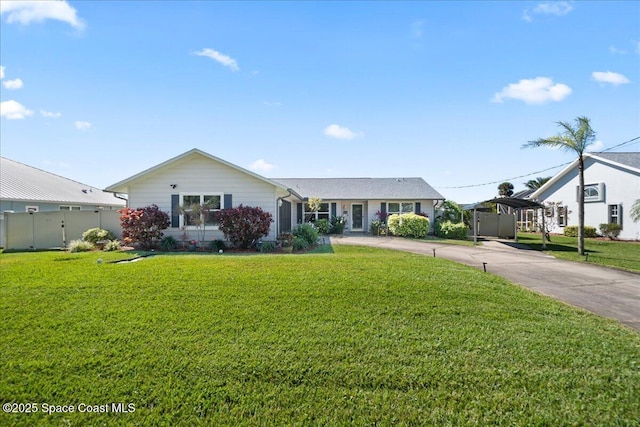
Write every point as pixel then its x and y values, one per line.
pixel 361 188
pixel 20 182
pixel 629 159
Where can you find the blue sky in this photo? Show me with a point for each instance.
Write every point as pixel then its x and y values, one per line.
pixel 447 91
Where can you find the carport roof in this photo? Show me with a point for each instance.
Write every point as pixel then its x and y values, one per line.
pixel 512 202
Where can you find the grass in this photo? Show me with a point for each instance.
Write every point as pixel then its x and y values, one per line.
pixel 608 253
pixel 360 336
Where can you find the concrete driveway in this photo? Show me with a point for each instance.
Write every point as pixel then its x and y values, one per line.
pixel 607 292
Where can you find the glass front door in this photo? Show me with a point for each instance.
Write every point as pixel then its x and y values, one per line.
pixel 356 217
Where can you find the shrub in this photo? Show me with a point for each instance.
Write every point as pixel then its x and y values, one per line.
pixel 244 225
pixel 80 246
pixel 216 245
pixel 95 235
pixel 268 247
pixel 612 231
pixel 572 231
pixel 300 244
pixel 337 225
pixel 112 245
pixel 323 226
pixel 168 244
pixel 408 225
pixel 143 225
pixel 450 230
pixel 285 239
pixel 307 232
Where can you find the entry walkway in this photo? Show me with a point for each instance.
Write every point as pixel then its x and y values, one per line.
pixel 607 292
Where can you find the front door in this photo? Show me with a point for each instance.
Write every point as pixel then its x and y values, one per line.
pixel 356 217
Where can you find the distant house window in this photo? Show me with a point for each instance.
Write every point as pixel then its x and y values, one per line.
pixel 614 214
pixel 399 207
pixel 592 192
pixel 313 216
pixel 31 208
pixel 69 208
pixel 562 216
pixel 198 209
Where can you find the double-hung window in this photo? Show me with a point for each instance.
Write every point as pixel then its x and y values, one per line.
pixel 614 214
pixel 399 207
pixel 198 209
pixel 313 216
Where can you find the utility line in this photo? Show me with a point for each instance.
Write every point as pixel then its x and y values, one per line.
pixel 537 172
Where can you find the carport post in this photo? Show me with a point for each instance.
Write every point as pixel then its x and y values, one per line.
pixel 475 227
pixel 515 223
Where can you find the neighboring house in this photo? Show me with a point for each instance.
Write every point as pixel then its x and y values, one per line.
pixel 196 176
pixel 24 188
pixel 612 185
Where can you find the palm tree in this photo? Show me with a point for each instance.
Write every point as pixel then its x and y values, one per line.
pixel 574 138
pixel 505 189
pixel 534 184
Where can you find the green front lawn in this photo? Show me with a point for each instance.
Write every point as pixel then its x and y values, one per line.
pixel 609 253
pixel 360 336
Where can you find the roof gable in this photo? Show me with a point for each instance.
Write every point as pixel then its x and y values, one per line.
pixel 123 185
pixel 629 161
pixel 20 182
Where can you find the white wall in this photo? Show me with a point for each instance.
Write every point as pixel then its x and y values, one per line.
pixel 621 186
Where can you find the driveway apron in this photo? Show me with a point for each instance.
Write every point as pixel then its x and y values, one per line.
pixel 608 292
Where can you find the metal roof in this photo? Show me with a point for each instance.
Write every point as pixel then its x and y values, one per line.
pixel 362 188
pixel 20 182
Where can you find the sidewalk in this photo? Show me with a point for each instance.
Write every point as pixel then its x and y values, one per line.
pixel 607 292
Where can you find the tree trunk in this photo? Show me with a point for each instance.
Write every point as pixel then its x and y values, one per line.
pixel 581 206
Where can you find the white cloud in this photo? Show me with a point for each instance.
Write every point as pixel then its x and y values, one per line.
pixel 223 59
pixel 82 125
pixel 272 104
pixel 616 51
pixel 595 147
pixel 49 114
pixel 534 91
pixel 26 12
pixel 261 165
pixel 1 72
pixel 13 110
pixel 339 132
pixel 558 8
pixel 12 84
pixel 609 77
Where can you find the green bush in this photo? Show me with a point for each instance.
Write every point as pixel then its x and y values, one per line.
pixel 612 231
pixel 268 247
pixel 217 245
pixel 80 246
pixel 95 235
pixel 112 245
pixel 337 225
pixel 300 244
pixel 450 230
pixel 323 226
pixel 168 244
pixel 572 231
pixel 408 225
pixel 307 232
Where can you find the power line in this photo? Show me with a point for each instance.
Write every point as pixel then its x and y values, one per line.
pixel 534 173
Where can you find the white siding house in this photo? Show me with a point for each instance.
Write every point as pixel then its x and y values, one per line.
pixel 196 176
pixel 612 185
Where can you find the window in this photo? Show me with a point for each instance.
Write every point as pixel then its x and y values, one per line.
pixel 312 216
pixel 197 209
pixel 562 216
pixel 69 208
pixel 399 207
pixel 592 192
pixel 614 214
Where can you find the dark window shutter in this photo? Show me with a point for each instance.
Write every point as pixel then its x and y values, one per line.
pixel 334 209
pixel 620 215
pixel 175 211
pixel 299 213
pixel 418 208
pixel 228 201
pixel 383 207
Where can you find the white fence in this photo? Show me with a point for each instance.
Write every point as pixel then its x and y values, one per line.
pixel 44 230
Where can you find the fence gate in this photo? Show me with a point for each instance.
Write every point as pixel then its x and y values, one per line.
pixel 44 230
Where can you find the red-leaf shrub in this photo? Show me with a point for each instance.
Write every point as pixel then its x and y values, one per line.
pixel 244 225
pixel 143 225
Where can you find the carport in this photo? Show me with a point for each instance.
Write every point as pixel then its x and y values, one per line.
pixel 513 202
